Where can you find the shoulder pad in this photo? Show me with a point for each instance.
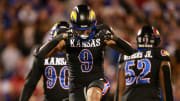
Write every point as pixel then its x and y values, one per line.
pixel 162 54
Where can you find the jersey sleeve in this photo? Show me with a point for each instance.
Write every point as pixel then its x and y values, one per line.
pixel 31 80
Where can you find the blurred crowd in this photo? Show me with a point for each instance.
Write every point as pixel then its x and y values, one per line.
pixel 25 24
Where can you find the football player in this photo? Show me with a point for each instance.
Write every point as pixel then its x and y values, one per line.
pixel 85 43
pixel 55 72
pixel 143 73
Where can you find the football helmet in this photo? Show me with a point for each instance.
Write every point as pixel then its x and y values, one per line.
pixel 148 37
pixel 83 18
pixel 57 27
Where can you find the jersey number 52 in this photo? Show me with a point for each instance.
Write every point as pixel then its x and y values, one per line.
pixel 144 65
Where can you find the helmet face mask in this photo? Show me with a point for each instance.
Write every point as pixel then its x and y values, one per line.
pixel 84 34
pixel 83 18
pixel 148 37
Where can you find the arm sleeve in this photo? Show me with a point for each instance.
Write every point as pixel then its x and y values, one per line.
pixel 165 80
pixel 31 80
pixel 121 44
pixel 167 83
pixel 47 47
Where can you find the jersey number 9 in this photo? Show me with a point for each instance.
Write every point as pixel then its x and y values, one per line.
pixel 86 59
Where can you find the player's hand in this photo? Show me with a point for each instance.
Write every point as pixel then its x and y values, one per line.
pixel 107 32
pixel 63 33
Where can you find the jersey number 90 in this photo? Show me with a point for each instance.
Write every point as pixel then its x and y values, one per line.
pixel 51 75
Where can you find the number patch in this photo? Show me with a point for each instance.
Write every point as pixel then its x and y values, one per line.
pixel 130 73
pixel 51 75
pixel 86 59
pixel 144 65
pixel 63 78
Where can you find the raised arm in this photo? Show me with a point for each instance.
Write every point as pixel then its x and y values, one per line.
pixel 165 81
pixel 116 43
pixel 44 51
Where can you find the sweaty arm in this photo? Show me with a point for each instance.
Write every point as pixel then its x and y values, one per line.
pixel 31 80
pixel 165 81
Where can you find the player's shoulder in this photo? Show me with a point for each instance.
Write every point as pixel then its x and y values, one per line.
pixel 161 53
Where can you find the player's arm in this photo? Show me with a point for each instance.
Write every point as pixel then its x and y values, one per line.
pixel 116 43
pixel 120 46
pixel 52 46
pixel 165 81
pixel 59 48
pixel 31 80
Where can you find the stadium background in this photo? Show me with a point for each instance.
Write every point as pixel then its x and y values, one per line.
pixel 24 24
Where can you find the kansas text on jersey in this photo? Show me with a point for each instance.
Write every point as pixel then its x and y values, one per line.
pixel 56 77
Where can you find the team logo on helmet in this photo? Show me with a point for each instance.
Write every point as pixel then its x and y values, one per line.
pixel 74 15
pixel 53 32
pixel 92 15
